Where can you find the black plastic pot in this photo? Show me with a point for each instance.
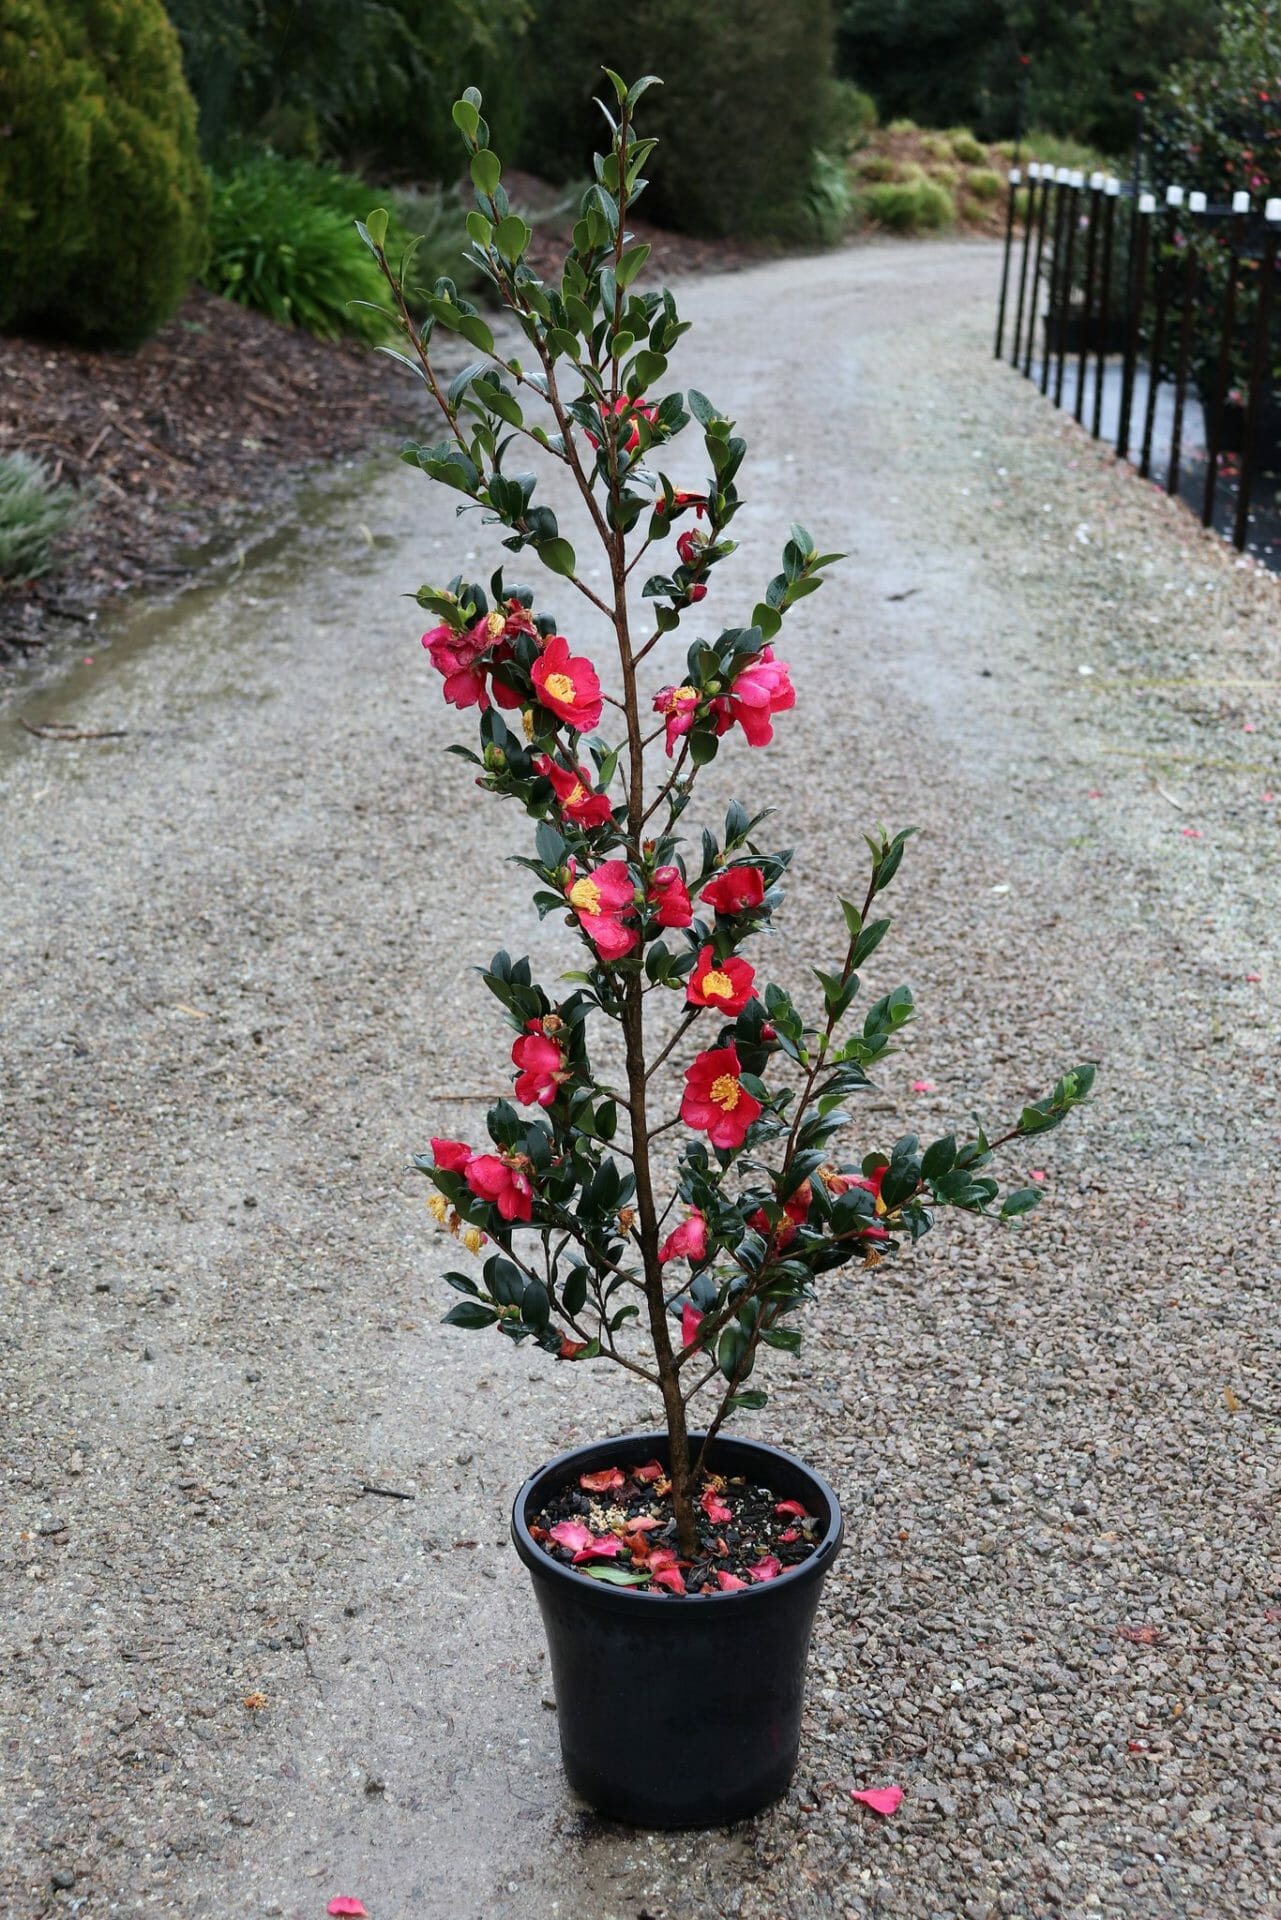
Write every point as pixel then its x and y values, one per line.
pixel 679 1712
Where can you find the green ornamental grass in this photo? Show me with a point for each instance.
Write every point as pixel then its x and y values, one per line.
pixel 33 513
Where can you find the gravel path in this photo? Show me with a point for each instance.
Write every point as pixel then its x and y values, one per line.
pixel 236 952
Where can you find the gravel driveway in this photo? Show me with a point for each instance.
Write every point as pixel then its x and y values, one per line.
pixel 236 949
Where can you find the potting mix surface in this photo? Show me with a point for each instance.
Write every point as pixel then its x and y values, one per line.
pixel 618 1526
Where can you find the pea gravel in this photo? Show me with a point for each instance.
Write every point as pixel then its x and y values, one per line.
pixel 237 952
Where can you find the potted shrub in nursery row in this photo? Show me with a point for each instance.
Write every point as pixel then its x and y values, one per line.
pixel 681 1568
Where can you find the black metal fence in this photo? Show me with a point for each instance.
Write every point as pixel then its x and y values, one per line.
pixel 1154 322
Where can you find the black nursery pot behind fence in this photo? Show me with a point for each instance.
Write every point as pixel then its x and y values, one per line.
pixel 679 1712
pixel 1138 312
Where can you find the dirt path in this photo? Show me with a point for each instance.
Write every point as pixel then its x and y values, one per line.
pixel 236 948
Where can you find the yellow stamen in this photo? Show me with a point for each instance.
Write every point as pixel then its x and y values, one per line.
pixel 585 895
pixel 438 1208
pixel 494 625
pixel 577 792
pixel 725 1091
pixel 559 686
pixel 473 1239
pixel 684 693
pixel 527 723
pixel 719 984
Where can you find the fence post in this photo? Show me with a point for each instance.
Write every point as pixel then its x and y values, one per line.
pixel 1076 182
pixel 1015 176
pixel 1111 189
pixel 1173 198
pixel 1196 204
pixel 1033 175
pixel 1087 311
pixel 1214 412
pixel 1047 176
pixel 1144 209
pixel 1061 178
pixel 1258 368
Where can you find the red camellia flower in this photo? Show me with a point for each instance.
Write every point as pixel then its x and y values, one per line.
pixel 602 899
pixel 688 1242
pixel 627 409
pixel 542 1066
pixel 725 985
pixel 690 546
pixel 502 1179
pixel 716 1102
pixel 679 706
pixel 681 499
pixel 452 1155
pixel 669 894
pixel 780 1236
pixel 735 890
pixel 460 657
pixel 761 690
pixel 574 791
pixel 567 685
pixel 691 1320
pixel 698 591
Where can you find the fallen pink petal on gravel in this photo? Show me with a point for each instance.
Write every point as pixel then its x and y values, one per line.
pixel 1192 833
pixel 879 1799
pixel 1037 1173
pixel 922 1086
pixel 347 1903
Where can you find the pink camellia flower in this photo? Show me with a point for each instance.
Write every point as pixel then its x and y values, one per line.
pixel 503 1180
pixel 627 410
pixel 670 895
pixel 716 1102
pixel 767 1569
pixel 761 690
pixel 602 899
pixel 455 656
pixel 729 1582
pixel 735 890
pixel 687 1242
pixel 679 706
pixel 575 794
pixel 691 1321
pixel 452 1155
pixel 542 1066
pixel 725 985
pixel 567 685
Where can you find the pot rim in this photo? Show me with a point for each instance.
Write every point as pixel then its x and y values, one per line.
pixel 543 1566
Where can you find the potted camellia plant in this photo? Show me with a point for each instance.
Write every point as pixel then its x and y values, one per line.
pixel 673 1219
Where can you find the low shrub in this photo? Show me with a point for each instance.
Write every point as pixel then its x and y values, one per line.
pixel 965 148
pixel 909 206
pixel 1055 151
pixel 902 126
pixel 33 513
pixel 983 183
pixel 936 146
pixel 877 166
pixel 945 176
pixel 102 195
pixel 851 116
pixel 829 202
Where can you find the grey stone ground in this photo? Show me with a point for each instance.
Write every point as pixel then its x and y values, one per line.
pixel 236 953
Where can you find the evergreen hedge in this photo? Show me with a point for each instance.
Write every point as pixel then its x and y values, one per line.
pixel 103 200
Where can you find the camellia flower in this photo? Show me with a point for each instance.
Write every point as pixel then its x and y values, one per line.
pixel 681 499
pixel 716 1102
pixel 679 706
pixel 628 409
pixel 691 1320
pixel 602 899
pixel 690 546
pixel 761 690
pixel 542 1066
pixel 723 984
pixel 567 685
pixel 670 895
pixel 687 1242
pixel 452 1155
pixel 796 1210
pixel 460 657
pixel 503 1180
pixel 735 890
pixel 578 800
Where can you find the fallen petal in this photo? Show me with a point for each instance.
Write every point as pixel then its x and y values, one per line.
pixel 572 1534
pixel 729 1582
pixel 346 1903
pixel 606 1482
pixel 606 1549
pixel 767 1569
pixel 651 1471
pixel 793 1507
pixel 669 1577
pixel 879 1799
pixel 715 1509
pixel 643 1523
pixel 786 1539
pixel 922 1086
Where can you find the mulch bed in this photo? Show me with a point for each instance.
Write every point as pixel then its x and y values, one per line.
pixel 618 1527
pixel 219 416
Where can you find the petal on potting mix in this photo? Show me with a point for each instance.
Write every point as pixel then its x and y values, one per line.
pixel 767 1569
pixel 715 1509
pixel 651 1471
pixel 606 1482
pixel 879 1799
pixel 670 1577
pixel 729 1582
pixel 791 1506
pixel 572 1534
pixel 606 1548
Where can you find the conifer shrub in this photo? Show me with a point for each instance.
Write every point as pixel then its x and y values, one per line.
pixel 102 196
